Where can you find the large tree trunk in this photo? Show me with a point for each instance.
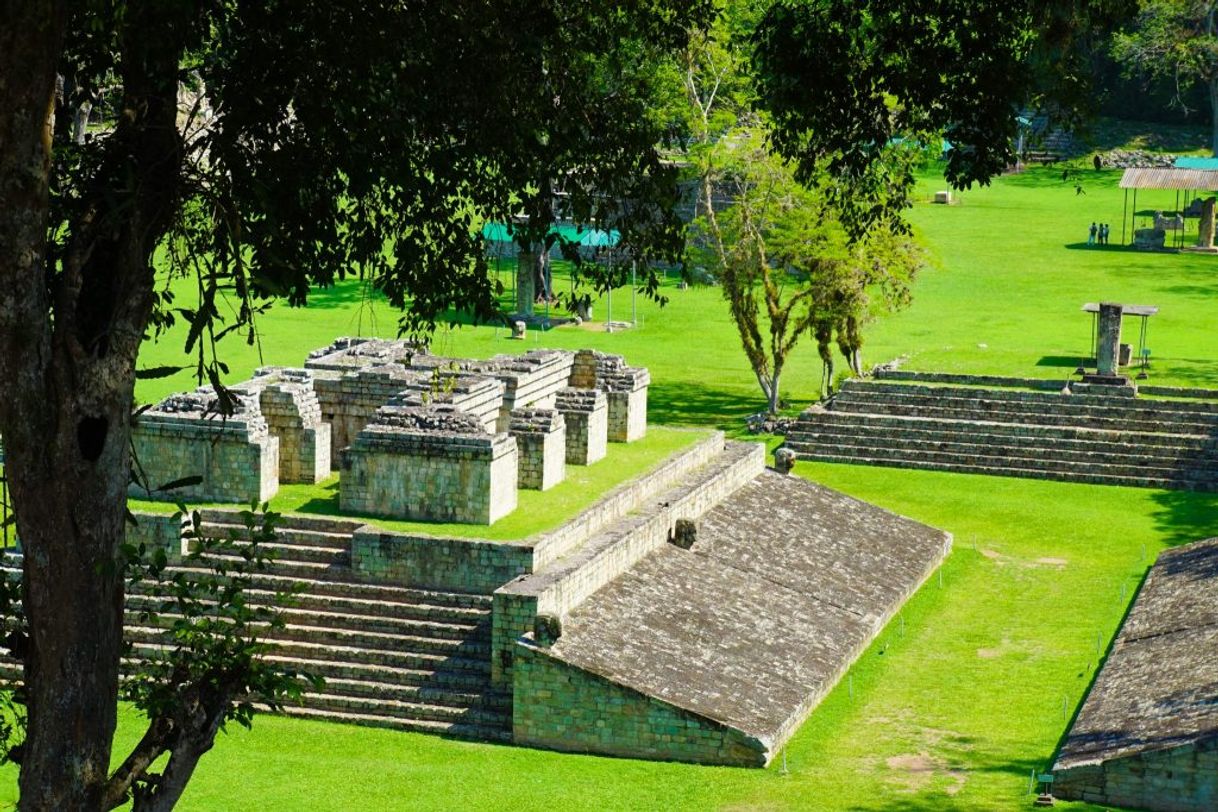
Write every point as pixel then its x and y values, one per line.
pixel 68 343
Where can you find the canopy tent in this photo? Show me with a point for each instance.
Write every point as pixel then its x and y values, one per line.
pixel 1187 179
pixel 589 238
pixel 1190 162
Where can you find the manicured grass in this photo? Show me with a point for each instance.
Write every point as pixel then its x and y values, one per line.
pixel 958 700
pixel 950 709
pixel 536 511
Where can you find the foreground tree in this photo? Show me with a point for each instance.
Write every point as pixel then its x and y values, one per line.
pixel 370 136
pixel 1176 40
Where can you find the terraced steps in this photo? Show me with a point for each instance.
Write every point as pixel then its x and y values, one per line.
pixel 1078 438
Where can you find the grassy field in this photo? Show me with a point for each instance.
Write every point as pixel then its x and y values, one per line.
pixel 974 685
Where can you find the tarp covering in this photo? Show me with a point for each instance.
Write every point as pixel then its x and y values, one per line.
pixel 1192 162
pixel 1170 178
pixel 592 238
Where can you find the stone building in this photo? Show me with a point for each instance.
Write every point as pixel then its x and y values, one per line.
pixel 416 435
pixel 1147 734
pixel 230 458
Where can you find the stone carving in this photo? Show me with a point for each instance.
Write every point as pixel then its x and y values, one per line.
pixel 784 460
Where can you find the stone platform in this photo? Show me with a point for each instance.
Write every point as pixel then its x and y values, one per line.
pixel 716 653
pixel 1147 734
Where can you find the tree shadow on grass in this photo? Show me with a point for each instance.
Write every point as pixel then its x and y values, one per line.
pixel 682 403
pixel 1185 516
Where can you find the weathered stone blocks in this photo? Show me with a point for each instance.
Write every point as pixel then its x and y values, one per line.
pixel 433 464
pixel 541 440
pixel 586 413
pixel 185 435
pixel 293 414
pixel 624 386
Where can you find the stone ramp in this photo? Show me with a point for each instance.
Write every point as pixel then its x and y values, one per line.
pixel 1147 733
pixel 723 649
pixel 1086 435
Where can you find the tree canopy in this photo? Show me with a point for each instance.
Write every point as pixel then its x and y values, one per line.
pixel 267 148
pixel 843 79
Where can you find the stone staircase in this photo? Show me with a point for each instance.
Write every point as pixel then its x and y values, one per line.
pixel 391 656
pixel 1090 437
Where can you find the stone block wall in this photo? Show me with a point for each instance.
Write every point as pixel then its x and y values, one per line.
pixel 185 435
pixel 560 707
pixel 349 400
pixel 530 380
pixel 293 414
pixel 586 413
pixel 431 464
pixel 557 589
pixel 158 531
pixel 627 415
pixel 428 562
pixel 625 386
pixel 541 442
pixel 479 396
pixel 1178 779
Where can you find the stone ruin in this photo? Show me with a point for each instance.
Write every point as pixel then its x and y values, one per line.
pixel 414 435
pixel 233 457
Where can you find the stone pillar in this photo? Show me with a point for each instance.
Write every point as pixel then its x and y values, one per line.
pixel 1107 351
pixel 1205 236
pixel 586 413
pixel 526 290
pixel 541 443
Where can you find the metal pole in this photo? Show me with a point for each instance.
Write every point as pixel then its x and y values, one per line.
pixel 1124 214
pixel 634 308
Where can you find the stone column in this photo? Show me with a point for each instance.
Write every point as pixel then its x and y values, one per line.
pixel 526 290
pixel 1205 236
pixel 1108 350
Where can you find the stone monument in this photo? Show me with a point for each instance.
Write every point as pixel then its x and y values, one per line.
pixel 1108 347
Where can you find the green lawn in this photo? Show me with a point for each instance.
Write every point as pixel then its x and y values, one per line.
pixel 959 699
pixel 536 511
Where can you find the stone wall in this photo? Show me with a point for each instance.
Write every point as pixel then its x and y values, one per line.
pixel 185 435
pixel 560 707
pixel 586 413
pixel 626 387
pixel 430 562
pixel 158 531
pixel 433 464
pixel 541 442
pixel 557 589
pixel 1179 779
pixel 350 399
pixel 530 380
pixel 293 414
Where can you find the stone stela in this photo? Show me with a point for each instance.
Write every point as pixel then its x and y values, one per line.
pixel 415 436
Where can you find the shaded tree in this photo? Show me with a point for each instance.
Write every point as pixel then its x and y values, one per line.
pixel 842 79
pixel 1175 40
pixel 369 137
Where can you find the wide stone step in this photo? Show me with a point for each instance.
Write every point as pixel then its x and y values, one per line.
pixel 322 581
pixel 1046 463
pixel 484 698
pixel 1001 414
pixel 448 680
pixel 818 419
pixel 964 442
pixel 359 645
pixel 394 610
pixel 400 709
pixel 1076 408
pixel 285 536
pixel 380 624
pixel 293 521
pixel 292 553
pixel 458 730
pixel 1008 470
pixel 1196 410
pixel 400 658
